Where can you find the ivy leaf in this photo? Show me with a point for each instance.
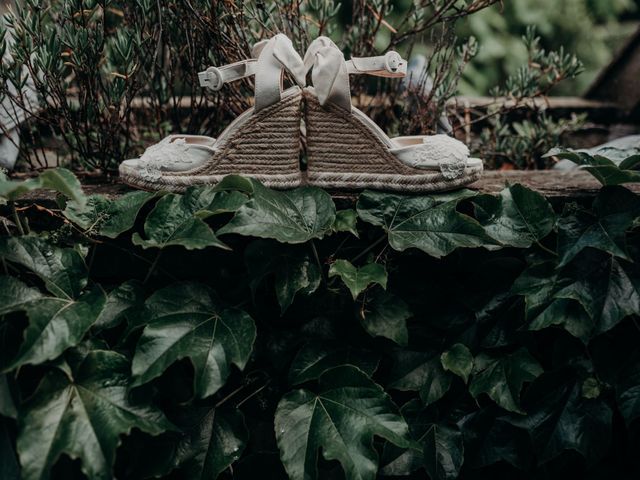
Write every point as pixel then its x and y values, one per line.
pixel 314 359
pixel 294 270
pixel 294 216
pixel 604 228
pixel 187 321
pixel 431 224
pixel 178 219
pixel 600 166
pixel 560 418
pixel 14 295
pixel 341 419
pixel 58 179
pixel 443 452
pixel 518 217
pixel 357 279
pixel 419 371
pixel 56 324
pixel 386 316
pixel 122 299
pixel 502 378
pixel 106 217
pixel 458 360
pixel 215 439
pixel 62 269
pixel 83 416
pixel 346 221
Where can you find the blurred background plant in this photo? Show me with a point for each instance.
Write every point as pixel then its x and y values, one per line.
pixel 114 76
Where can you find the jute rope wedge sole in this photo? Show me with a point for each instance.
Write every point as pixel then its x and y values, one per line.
pixel 263 142
pixel 347 150
pixel 267 148
pixel 343 153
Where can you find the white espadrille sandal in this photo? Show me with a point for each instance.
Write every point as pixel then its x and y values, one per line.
pixel 263 142
pixel 347 150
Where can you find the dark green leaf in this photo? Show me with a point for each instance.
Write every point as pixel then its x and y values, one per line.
pixel 294 216
pixel 346 221
pixel 294 269
pixel 386 316
pixel 120 300
pixel 418 371
pixel 628 390
pixel 83 417
pixel 178 219
pixel 502 378
pixel 215 439
pixel 56 324
pixel 108 218
pixel 357 279
pixel 314 359
pixel 518 217
pixel 14 295
pixel 604 228
pixel 341 419
pixel 9 468
pixel 58 179
pixel 62 269
pixel 458 360
pixel 7 405
pixel 600 166
pixel 443 452
pixel 187 321
pixel 431 224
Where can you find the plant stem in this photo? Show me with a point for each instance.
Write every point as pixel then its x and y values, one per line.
pixel 153 267
pixel 369 248
pixel 548 250
pixel 16 217
pixel 317 257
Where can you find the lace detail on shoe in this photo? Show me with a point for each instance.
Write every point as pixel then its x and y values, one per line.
pixel 449 154
pixel 161 156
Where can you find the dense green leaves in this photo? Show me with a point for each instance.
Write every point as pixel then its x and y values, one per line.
pixel 82 416
pixel 58 179
pixel 178 219
pixel 431 224
pixel 290 359
pixel 357 279
pixel 603 165
pixel 307 422
pixel 295 216
pixel 187 321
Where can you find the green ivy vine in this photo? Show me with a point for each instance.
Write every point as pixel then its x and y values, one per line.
pixel 240 332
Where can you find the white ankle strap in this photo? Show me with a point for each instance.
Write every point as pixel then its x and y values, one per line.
pixel 390 65
pixel 215 77
pixel 274 56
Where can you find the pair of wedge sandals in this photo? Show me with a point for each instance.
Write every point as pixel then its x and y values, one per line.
pixel 345 148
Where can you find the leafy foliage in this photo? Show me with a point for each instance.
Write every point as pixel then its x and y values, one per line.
pixel 455 336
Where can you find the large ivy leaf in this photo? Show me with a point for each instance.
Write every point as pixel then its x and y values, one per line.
pixel 518 217
pixel 386 316
pixel 601 166
pixel 341 419
pixel 560 418
pixel 56 324
pixel 442 451
pixel 419 371
pixel 603 228
pixel 459 360
pixel 215 439
pixel 106 217
pixel 294 216
pixel 14 294
pixel 61 269
pixel 294 270
pixel 502 378
pixel 187 321
pixel 431 224
pixel 357 279
pixel 58 179
pixel 178 219
pixel 627 390
pixel 315 358
pixel 82 416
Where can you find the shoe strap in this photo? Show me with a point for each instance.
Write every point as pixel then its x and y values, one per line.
pixel 330 74
pixel 274 56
